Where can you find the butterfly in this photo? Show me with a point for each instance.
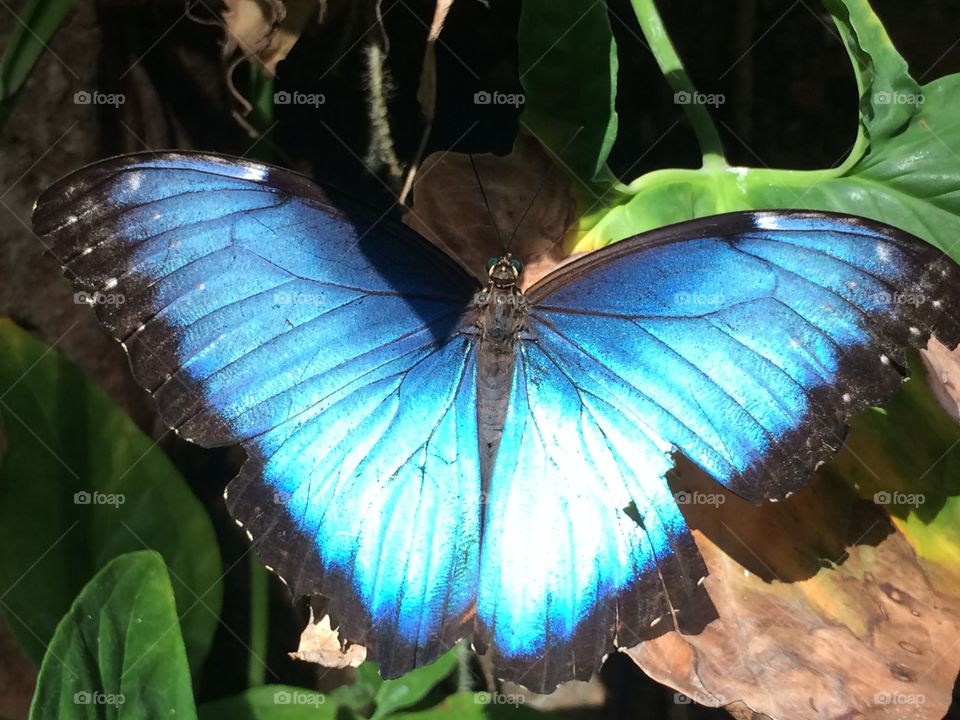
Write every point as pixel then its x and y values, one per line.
pixel 443 456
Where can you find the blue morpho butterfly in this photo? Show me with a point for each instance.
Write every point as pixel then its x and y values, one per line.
pixel 455 458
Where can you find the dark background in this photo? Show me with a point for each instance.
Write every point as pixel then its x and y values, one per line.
pixel 790 101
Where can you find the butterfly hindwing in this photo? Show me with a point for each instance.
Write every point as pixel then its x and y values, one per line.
pixel 367 477
pixel 584 549
pixel 258 313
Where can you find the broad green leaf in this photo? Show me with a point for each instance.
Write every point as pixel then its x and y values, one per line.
pixel 568 68
pixel 902 169
pixel 34 27
pixel 118 651
pixel 393 695
pixel 80 485
pixel 888 95
pixel 361 692
pixel 273 702
pixel 908 181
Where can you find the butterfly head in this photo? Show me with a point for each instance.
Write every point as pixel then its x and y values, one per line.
pixel 503 272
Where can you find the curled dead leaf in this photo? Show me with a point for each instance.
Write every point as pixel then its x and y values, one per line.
pixel 569 696
pixel 320 644
pixel 943 366
pixel 266 29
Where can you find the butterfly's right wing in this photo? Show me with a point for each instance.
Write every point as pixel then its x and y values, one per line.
pixel 744 341
pixel 255 312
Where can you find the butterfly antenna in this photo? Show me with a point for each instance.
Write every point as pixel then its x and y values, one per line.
pixel 483 194
pixel 540 186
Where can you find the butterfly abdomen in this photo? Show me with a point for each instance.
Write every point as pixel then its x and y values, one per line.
pixel 501 313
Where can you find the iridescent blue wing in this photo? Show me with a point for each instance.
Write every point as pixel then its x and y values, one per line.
pixel 743 341
pixel 257 312
pixel 584 549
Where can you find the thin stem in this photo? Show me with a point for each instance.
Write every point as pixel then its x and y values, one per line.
pixel 259 622
pixel 672 68
pixel 464 676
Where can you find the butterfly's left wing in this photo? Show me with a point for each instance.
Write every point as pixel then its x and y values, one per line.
pixel 743 341
pixel 257 312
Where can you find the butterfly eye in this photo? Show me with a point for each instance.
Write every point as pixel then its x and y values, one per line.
pixel 517 265
pixel 490 263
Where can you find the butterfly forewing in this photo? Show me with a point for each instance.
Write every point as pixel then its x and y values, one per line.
pixel 257 313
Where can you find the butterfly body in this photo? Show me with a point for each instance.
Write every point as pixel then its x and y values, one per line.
pixel 501 315
pixel 442 456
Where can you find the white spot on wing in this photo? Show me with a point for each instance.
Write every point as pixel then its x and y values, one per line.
pixel 254 172
pixel 767 221
pixel 134 181
pixel 883 252
pixel 111 284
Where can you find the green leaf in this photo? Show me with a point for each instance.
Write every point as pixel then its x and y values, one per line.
pixel 393 695
pixel 360 694
pixel 568 67
pixel 118 651
pixel 272 702
pixel 902 169
pixel 67 443
pixel 887 92
pixel 35 26
pixel 908 181
pixel 904 457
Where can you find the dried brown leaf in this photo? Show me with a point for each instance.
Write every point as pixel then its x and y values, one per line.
pixel 825 610
pixel 320 644
pixel 943 366
pixel 525 185
pixel 266 29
